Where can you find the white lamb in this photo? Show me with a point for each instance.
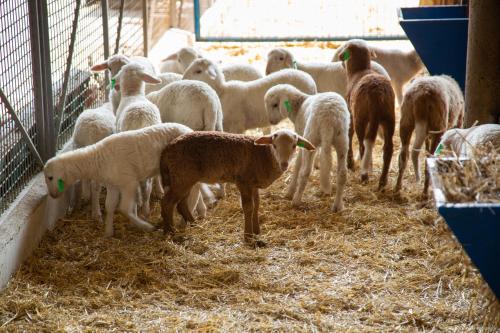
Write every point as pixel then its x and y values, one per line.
pixel 179 61
pixel 323 119
pixel 463 141
pixel 114 64
pixel 166 79
pixel 191 103
pixel 243 102
pixel 91 126
pixel 401 65
pixel 241 72
pixel 121 161
pixel 135 111
pixel 328 76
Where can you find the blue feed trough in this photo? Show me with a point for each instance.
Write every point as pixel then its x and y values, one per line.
pixel 439 35
pixel 476 226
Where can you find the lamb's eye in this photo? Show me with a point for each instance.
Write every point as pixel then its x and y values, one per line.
pixel 281 58
pixel 198 71
pixel 275 105
pixel 50 178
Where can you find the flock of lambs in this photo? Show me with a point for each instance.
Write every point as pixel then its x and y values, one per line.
pixel 186 125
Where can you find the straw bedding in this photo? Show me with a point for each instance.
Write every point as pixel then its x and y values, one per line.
pixel 383 264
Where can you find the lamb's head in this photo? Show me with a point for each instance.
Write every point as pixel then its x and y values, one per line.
pixel 184 57
pixel 283 143
pixel 56 177
pixel 205 70
pixel 279 102
pixel 278 59
pixel 453 138
pixel 113 63
pixel 356 55
pixel 133 76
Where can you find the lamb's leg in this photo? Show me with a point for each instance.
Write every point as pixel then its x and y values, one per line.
pixel 195 200
pixel 405 132
pixel 85 190
pixel 112 199
pixel 398 89
pixel 388 150
pixel 95 188
pixel 167 210
pixel 295 175
pixel 157 188
pixel 305 171
pixel 207 194
pixel 248 208
pixel 317 162
pixel 341 148
pixel 420 135
pixel 146 189
pixel 255 217
pixel 326 167
pixel 182 208
pixel 436 138
pixel 127 204
pixel 350 154
pixel 201 208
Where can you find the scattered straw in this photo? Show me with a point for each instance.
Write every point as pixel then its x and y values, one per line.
pixel 472 180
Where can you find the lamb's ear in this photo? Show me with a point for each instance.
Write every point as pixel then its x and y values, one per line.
pixel 302 142
pixel 264 140
pixel 173 56
pixel 100 67
pixel 289 61
pixel 345 54
pixel 150 78
pixel 373 54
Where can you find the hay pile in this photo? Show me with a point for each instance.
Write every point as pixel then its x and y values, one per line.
pixel 473 180
pixel 380 265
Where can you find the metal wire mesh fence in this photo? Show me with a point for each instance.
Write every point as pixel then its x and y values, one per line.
pixel 46 50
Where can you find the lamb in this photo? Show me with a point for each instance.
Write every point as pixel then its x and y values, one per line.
pixel 431 105
pixel 114 64
pixel 243 102
pixel 248 162
pixel 91 126
pixel 135 111
pixel 241 72
pixel 463 141
pixel 179 61
pixel 328 76
pixel 371 102
pixel 121 161
pixel 192 103
pixel 323 119
pixel 401 65
pixel 166 79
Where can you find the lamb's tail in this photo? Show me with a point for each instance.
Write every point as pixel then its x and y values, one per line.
pixel 435 109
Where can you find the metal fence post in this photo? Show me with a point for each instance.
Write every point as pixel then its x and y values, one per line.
pixel 105 36
pixel 145 26
pixel 40 48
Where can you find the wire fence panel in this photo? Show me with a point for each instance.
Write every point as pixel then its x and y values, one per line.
pixel 17 163
pixel 68 41
pixel 283 20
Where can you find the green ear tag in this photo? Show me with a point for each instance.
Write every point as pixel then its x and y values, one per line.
pixel 294 64
pixel 288 106
pixel 346 55
pixel 113 82
pixel 301 144
pixel 438 149
pixel 60 185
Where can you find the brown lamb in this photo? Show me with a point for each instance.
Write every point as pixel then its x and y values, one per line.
pixel 371 101
pixel 211 157
pixel 431 105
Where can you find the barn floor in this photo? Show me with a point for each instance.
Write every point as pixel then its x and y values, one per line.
pixel 385 263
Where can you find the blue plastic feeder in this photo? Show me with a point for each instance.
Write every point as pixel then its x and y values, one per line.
pixel 439 35
pixel 475 225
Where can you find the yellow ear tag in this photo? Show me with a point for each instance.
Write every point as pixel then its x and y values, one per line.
pixel 288 106
pixel 60 185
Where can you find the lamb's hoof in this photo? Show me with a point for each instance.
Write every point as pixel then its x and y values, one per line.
pixel 364 178
pixel 97 218
pixel 108 233
pixel 296 203
pixel 350 164
pixel 326 191
pixel 168 230
pixel 260 243
pixel 337 208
